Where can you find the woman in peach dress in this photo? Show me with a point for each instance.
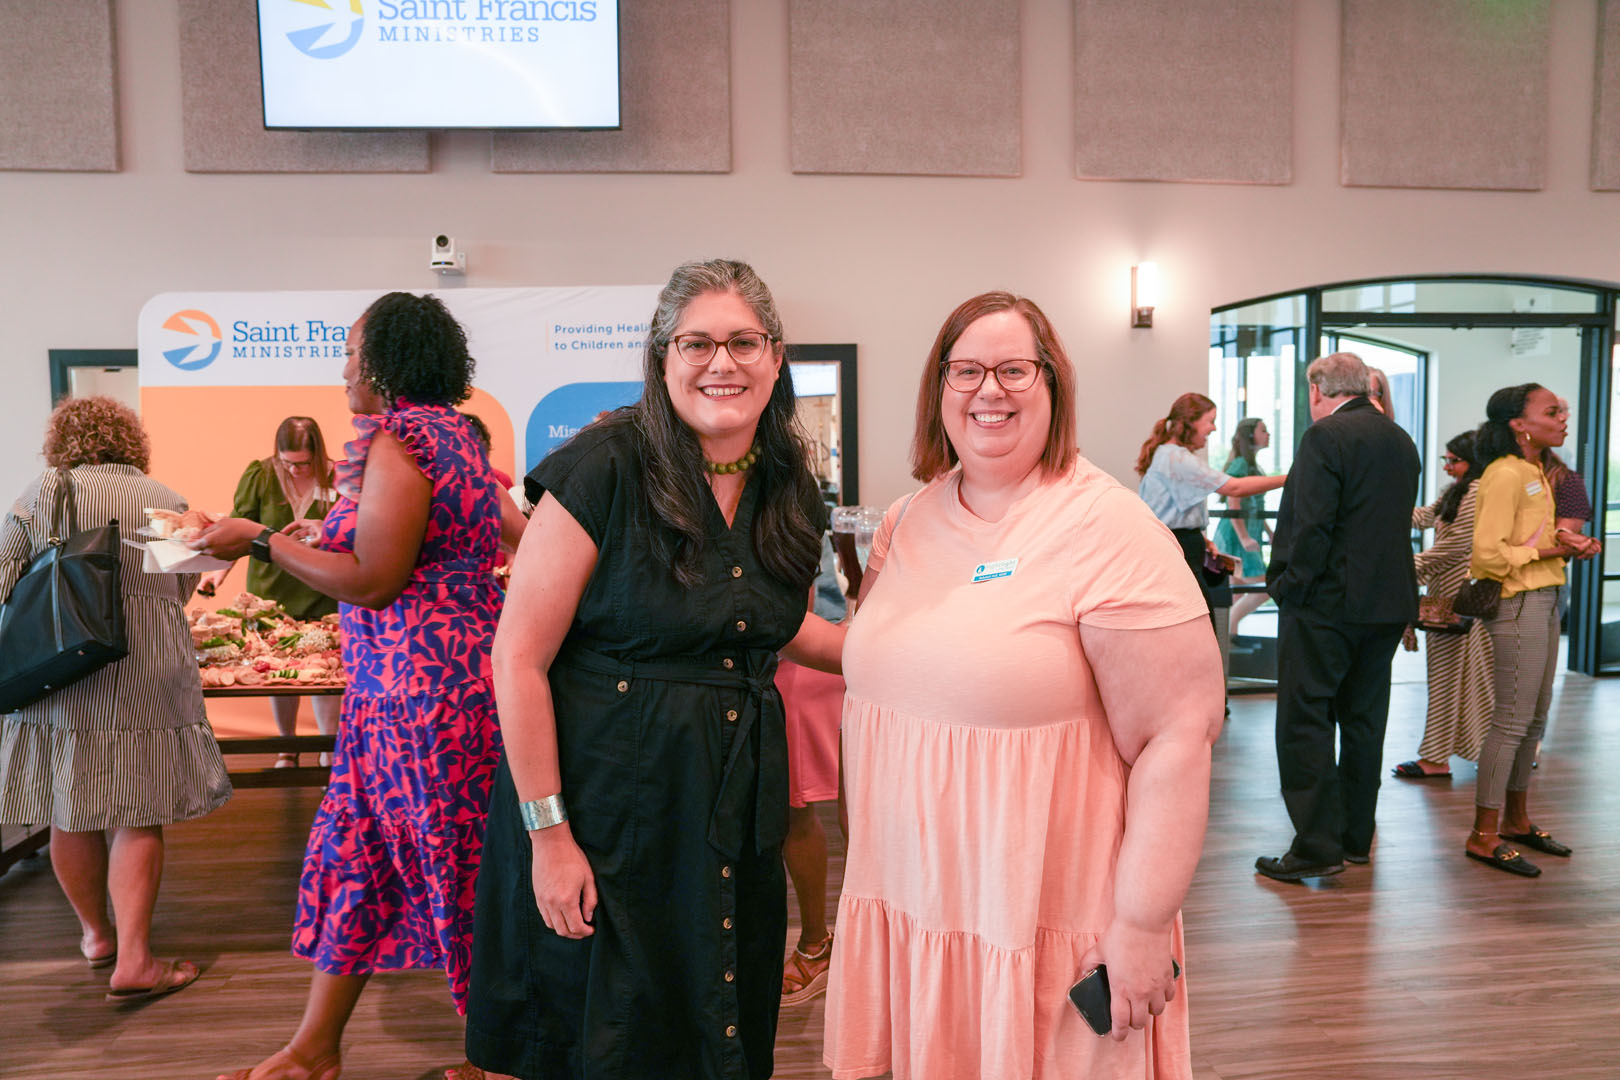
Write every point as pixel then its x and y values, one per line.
pixel 1029 659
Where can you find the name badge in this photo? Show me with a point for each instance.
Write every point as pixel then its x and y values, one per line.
pixel 991 570
pixel 1533 488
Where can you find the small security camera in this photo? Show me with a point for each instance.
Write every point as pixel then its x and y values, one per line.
pixel 445 257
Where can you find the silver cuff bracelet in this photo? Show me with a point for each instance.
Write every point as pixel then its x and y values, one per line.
pixel 543 813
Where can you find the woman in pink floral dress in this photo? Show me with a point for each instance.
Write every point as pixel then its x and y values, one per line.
pixel 408 550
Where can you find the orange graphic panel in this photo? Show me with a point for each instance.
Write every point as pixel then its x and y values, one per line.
pixel 203 437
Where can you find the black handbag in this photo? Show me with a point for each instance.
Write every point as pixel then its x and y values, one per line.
pixel 1478 597
pixel 65 616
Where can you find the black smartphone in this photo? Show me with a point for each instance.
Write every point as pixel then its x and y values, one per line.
pixel 1090 997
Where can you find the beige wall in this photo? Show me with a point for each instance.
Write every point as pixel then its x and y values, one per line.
pixel 877 261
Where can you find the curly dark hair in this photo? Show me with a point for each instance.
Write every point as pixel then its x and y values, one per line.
pixel 95 431
pixel 412 349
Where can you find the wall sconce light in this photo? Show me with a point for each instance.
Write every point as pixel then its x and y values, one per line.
pixel 1144 293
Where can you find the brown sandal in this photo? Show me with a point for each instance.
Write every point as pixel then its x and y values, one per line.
pixel 804 976
pixel 176 975
pixel 327 1068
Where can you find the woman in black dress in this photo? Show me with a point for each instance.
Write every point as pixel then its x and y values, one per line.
pixel 632 907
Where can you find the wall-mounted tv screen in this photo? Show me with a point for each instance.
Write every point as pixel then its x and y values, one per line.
pixel 380 64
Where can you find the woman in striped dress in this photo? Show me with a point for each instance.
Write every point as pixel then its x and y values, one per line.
pixel 1460 693
pixel 111 759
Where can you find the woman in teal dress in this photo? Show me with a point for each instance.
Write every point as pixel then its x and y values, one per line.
pixel 1241 536
pixel 294 483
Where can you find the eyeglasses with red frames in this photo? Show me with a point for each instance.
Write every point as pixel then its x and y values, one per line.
pixel 698 349
pixel 1013 376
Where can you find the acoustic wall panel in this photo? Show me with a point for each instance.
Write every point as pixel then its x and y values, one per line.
pixel 675 115
pixel 1444 94
pixel 1198 90
pixel 1606 101
pixel 58 106
pixel 915 87
pixel 222 108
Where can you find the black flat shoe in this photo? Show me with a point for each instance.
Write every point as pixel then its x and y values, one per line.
pixel 1412 770
pixel 1357 860
pixel 1290 867
pixel 1540 840
pixel 1506 857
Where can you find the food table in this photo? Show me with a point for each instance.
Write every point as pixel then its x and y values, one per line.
pixel 296 776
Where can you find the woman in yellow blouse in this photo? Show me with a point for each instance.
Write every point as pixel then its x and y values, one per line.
pixel 1517 542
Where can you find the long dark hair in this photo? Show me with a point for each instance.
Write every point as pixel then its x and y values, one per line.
pixel 1243 442
pixel 1495 438
pixel 1556 468
pixel 787 542
pixel 1462 446
pixel 1176 427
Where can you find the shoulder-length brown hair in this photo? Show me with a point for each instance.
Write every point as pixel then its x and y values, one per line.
pixel 931 451
pixel 95 431
pixel 1176 428
pixel 302 433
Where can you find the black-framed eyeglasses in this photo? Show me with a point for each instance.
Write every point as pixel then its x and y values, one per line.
pixel 699 349
pixel 1013 376
pixel 1453 459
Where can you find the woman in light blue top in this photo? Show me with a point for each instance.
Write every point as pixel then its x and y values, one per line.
pixel 1177 483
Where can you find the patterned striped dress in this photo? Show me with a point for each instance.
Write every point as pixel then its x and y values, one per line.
pixel 1461 696
pixel 128 746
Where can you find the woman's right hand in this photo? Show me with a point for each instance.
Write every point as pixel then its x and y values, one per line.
pixel 1250 544
pixel 564 887
pixel 209 583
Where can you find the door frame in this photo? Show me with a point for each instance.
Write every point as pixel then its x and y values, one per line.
pixel 1597 328
pixel 63 360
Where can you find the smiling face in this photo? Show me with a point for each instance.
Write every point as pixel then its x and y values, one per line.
pixel 362 398
pixel 991 427
pixel 722 400
pixel 1198 437
pixel 1454 466
pixel 1262 436
pixel 1541 424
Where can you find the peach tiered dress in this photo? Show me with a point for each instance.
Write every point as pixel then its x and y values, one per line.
pixel 986 797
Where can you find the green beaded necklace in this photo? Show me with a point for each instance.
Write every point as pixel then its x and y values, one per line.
pixel 742 464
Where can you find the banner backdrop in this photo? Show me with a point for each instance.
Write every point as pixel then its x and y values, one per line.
pixel 219 371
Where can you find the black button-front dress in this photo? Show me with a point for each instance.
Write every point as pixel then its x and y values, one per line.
pixel 672 747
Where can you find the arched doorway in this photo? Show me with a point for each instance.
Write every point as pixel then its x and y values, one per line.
pixel 1446 341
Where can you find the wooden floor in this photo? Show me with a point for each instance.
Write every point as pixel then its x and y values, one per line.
pixel 1423 965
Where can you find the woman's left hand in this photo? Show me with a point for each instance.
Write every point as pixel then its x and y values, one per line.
pixel 305 531
pixel 1587 547
pixel 1141 980
pixel 229 538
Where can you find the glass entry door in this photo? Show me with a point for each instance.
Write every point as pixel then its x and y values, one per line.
pixel 1255 370
pixel 1447 343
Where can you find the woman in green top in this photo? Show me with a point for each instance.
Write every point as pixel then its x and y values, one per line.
pixel 1241 536
pixel 291 484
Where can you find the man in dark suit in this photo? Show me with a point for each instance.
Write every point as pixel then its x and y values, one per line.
pixel 1341 574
